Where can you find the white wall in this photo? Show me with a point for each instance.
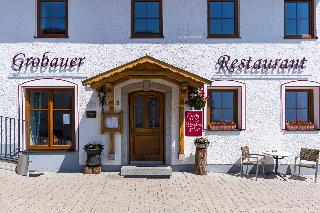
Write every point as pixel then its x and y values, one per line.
pixel 100 31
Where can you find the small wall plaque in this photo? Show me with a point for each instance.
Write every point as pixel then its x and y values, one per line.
pixel 91 114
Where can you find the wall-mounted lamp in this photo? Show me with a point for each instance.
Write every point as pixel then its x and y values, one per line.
pixel 192 92
pixel 102 98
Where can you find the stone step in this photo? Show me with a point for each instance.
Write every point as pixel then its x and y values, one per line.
pixel 146 171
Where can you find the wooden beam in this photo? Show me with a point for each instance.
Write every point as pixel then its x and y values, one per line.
pixel 110 98
pixel 182 95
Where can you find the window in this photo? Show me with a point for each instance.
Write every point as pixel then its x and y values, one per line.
pixel 223 106
pixel 299 19
pixel 146 19
pixel 50 118
pixel 52 18
pixel 223 18
pixel 299 104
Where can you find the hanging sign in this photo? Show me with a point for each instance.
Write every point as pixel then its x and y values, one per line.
pixel 193 123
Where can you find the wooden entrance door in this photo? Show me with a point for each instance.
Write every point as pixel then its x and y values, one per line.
pixel 146 126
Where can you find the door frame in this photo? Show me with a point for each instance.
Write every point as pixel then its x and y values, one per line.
pixel 163 132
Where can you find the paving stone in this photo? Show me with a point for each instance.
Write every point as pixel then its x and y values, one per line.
pixel 183 192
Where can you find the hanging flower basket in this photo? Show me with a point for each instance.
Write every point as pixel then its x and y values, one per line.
pixel 198 101
pixel 300 126
pixel 222 126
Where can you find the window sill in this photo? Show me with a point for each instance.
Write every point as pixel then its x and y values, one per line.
pixel 51 148
pixel 147 36
pixel 233 130
pixel 307 37
pixel 312 130
pixel 223 36
pixel 51 36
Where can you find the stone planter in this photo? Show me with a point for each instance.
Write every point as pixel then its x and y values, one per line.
pixel 200 166
pixel 300 127
pixel 222 127
pixel 93 157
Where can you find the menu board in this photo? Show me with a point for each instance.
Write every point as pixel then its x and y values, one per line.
pixel 193 123
pixel 112 122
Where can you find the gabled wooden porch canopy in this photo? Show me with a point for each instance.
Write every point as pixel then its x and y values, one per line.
pixel 147 68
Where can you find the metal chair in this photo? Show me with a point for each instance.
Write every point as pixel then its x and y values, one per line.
pixel 248 158
pixel 312 158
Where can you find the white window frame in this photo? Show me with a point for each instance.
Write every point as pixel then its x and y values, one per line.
pixel 301 84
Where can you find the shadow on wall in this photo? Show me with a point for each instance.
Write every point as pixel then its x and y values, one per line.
pixel 54 162
pixel 70 163
pixel 186 165
pixel 90 128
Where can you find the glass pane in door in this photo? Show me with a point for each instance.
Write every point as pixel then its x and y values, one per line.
pixel 154 111
pixel 39 128
pixel 139 111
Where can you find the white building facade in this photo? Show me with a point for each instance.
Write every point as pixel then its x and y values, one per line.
pixel 256 60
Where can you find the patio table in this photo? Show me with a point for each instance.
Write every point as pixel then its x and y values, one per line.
pixel 277 155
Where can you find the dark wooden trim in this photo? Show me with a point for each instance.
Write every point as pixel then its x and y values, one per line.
pixel 50 36
pixel 40 34
pixel 223 36
pixel 235 106
pixel 310 102
pixel 312 34
pixel 236 20
pixel 147 35
pixel 133 130
pixel 50 110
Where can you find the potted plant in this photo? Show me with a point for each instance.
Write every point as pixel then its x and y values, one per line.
pixel 222 125
pixel 93 154
pixel 200 166
pixel 201 142
pixel 300 125
pixel 198 100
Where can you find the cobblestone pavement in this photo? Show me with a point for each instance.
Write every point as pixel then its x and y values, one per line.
pixel 183 192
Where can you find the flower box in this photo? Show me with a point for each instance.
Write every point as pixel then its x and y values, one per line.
pixel 300 126
pixel 222 126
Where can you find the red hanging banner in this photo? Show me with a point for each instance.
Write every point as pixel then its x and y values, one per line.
pixel 193 123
